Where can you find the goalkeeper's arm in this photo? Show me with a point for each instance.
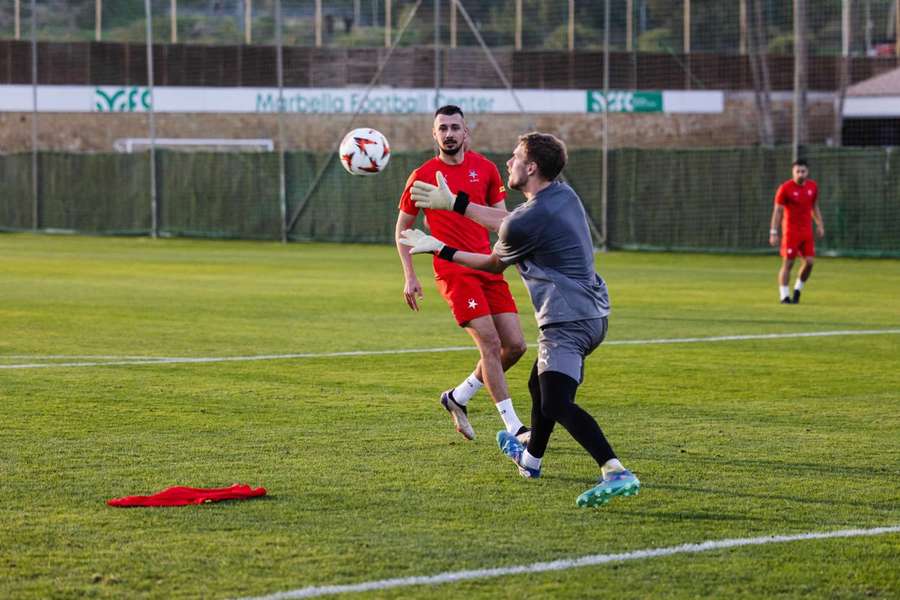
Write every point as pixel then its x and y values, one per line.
pixel 439 197
pixel 489 217
pixel 426 244
pixel 482 262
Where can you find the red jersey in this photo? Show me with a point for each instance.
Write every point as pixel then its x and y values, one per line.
pixel 476 176
pixel 798 202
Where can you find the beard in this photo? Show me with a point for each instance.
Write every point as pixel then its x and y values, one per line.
pixel 451 151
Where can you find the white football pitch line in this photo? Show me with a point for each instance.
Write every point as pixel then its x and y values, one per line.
pixel 95 361
pixel 77 356
pixel 569 563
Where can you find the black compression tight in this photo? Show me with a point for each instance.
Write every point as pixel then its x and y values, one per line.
pixel 552 401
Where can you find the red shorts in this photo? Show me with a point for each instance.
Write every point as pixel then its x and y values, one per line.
pixel 473 295
pixel 793 246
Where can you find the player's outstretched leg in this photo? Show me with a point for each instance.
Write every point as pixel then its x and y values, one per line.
pixel 557 403
pixel 513 449
pixel 610 485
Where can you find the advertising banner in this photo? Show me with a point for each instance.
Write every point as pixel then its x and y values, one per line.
pixel 76 99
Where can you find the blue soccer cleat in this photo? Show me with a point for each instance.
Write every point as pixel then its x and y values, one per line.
pixel 513 448
pixel 616 483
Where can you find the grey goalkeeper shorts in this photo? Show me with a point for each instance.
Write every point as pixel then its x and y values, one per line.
pixel 562 347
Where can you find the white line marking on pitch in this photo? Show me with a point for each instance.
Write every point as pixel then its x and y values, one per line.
pixel 218 359
pixel 149 360
pixel 79 357
pixel 568 563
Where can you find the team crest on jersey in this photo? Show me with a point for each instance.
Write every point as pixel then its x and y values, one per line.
pixel 473 176
pixel 502 189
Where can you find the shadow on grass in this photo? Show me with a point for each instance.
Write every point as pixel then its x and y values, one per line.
pixel 695 515
pixel 875 506
pixel 803 468
pixel 886 506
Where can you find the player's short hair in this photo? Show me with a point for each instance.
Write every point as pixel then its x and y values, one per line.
pixel 800 162
pixel 547 151
pixel 449 110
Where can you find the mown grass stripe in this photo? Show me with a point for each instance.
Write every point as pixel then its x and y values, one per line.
pixel 572 563
pixel 218 359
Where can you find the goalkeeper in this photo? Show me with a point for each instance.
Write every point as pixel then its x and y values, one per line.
pixel 547 238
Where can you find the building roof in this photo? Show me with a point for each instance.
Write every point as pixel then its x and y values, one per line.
pixel 886 84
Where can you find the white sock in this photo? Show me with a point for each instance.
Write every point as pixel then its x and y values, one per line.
pixel 611 466
pixel 799 284
pixel 530 461
pixel 464 391
pixel 508 414
pixel 784 291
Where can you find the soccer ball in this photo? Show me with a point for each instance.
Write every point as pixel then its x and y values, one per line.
pixel 364 151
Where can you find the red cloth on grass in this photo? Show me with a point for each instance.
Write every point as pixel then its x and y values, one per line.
pixel 183 496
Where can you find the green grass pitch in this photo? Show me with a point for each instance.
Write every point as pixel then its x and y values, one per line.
pixel 368 480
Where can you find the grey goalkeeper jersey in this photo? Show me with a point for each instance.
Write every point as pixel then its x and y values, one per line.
pixel 548 240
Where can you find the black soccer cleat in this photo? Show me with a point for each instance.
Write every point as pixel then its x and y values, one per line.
pixel 786 300
pixel 796 298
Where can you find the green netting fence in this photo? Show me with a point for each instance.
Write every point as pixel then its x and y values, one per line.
pixel 681 200
pixel 721 200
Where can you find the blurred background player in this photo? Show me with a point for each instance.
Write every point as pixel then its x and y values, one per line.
pixel 548 240
pixel 796 206
pixel 480 302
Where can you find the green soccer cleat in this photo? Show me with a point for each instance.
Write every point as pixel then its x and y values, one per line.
pixel 617 483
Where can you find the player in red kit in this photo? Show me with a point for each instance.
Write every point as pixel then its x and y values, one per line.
pixel 796 206
pixel 480 302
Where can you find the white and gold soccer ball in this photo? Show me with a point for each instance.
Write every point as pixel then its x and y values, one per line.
pixel 364 151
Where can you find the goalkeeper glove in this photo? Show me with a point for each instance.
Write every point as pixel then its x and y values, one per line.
pixel 438 196
pixel 421 243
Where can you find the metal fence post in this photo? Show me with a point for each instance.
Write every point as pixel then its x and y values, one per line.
pixel 387 23
pixel 154 206
pixel 897 27
pixel 437 52
pixel 98 20
pixel 800 63
pixel 279 72
pixel 248 22
pixel 36 201
pixel 173 22
pixel 604 191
